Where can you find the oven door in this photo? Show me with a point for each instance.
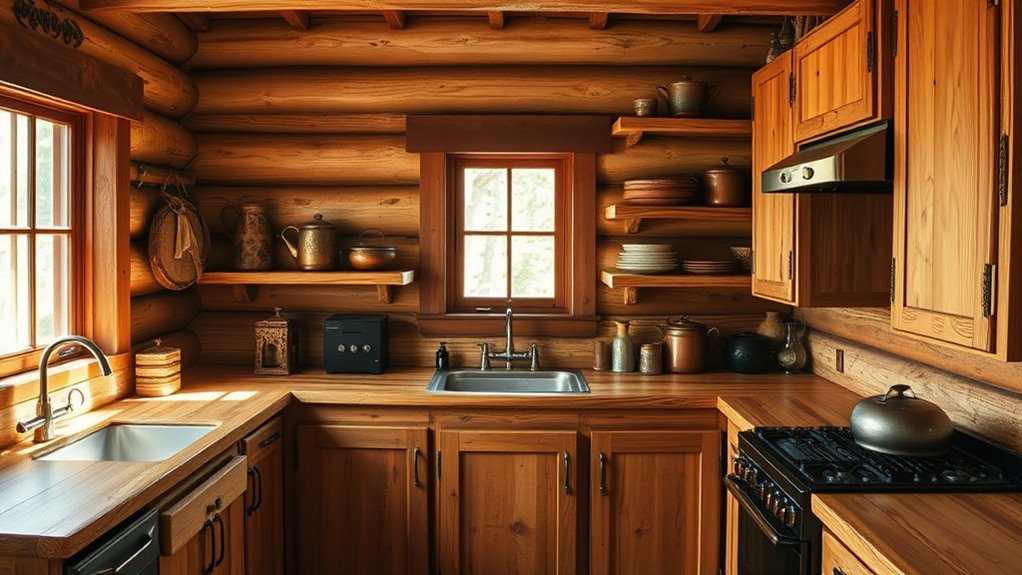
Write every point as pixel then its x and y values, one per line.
pixel 765 546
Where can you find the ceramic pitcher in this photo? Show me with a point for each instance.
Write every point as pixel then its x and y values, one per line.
pixel 251 236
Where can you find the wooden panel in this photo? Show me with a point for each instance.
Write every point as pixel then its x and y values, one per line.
pixel 512 134
pixel 732 510
pixel 503 505
pixel 838 559
pixel 264 500
pixel 298 123
pixel 461 90
pixel 659 511
pixel 438 41
pixel 184 519
pixel 944 165
pixel 835 87
pixel 194 556
pixel 773 215
pixel 357 500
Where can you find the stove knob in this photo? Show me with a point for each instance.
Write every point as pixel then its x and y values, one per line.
pixel 342 348
pixel 789 516
pixel 753 472
pixel 761 489
pixel 353 348
pixel 367 348
pixel 737 466
pixel 769 499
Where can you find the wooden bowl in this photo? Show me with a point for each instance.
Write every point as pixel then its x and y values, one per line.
pixel 372 258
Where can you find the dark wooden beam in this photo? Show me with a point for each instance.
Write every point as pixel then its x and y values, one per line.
pixel 496 20
pixel 395 19
pixel 598 20
pixel 196 21
pixel 708 22
pixel 745 7
pixel 297 19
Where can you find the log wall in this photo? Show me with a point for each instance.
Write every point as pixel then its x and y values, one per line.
pixel 306 122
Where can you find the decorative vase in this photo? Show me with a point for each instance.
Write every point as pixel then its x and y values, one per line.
pixel 251 237
pixel 621 350
pixel 793 357
pixel 749 352
pixel 773 329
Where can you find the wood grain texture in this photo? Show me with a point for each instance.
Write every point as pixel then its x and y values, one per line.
pixel 143 204
pixel 927 533
pixel 143 282
pixel 438 41
pixel 162 312
pixel 512 134
pixel 163 34
pixel 270 123
pixel 193 557
pixel 346 278
pixel 182 521
pixel 839 559
pixel 161 141
pixel 184 339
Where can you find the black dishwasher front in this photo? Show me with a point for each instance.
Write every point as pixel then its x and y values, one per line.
pixel 132 548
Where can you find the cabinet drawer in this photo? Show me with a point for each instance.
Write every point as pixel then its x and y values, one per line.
pixel 182 520
pixel 839 560
pixel 262 439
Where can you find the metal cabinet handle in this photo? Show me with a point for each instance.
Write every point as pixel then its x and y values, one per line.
pixel 567 470
pixel 212 546
pixel 838 571
pixel 257 490
pixel 220 558
pixel 123 566
pixel 415 467
pixel 603 474
pixel 270 440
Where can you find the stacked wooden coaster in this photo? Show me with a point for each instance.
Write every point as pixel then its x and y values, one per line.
pixel 661 191
pixel 157 370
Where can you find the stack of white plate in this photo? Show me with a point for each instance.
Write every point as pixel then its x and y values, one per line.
pixel 708 266
pixel 647 258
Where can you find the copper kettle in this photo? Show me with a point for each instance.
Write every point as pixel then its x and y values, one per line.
pixel 686 344
pixel 315 246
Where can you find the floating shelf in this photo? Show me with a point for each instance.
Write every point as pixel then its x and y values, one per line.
pixel 633 128
pixel 246 283
pixel 633 214
pixel 630 283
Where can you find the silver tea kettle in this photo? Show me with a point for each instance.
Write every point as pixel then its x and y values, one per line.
pixel 901 424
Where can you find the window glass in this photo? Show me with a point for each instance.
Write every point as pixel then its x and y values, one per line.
pixel 532 265
pixel 485 200
pixel 533 193
pixel 485 266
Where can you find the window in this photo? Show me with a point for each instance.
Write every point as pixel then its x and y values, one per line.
pixel 40 187
pixel 510 229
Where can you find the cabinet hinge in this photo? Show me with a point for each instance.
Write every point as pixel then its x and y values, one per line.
pixel 870 52
pixel 892 280
pixel 438 465
pixel 791 89
pixel 989 288
pixel 894 33
pixel 752 262
pixel 1002 170
pixel 791 264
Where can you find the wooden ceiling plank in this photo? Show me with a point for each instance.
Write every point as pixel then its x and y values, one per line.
pixel 708 22
pixel 598 20
pixel 496 20
pixel 726 7
pixel 297 19
pixel 196 21
pixel 395 19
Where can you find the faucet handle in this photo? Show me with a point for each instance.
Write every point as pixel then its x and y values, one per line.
pixel 484 356
pixel 534 353
pixel 70 398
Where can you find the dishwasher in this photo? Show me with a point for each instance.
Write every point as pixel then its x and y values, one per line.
pixel 132 548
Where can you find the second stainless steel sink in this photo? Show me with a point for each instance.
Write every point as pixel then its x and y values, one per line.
pixel 129 442
pixel 514 382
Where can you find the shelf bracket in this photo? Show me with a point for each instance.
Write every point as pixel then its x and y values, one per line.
pixel 630 295
pixel 245 293
pixel 385 293
pixel 632 225
pixel 633 138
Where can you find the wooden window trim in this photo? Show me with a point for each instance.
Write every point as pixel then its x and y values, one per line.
pixel 434 316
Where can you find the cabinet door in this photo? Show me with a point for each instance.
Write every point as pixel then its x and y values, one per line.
pixel 508 502
pixel 361 504
pixel 834 73
pixel 773 215
pixel 731 508
pixel 221 543
pixel 655 502
pixel 839 560
pixel 264 501
pixel 946 128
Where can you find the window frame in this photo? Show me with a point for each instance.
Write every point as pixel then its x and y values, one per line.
pixel 456 300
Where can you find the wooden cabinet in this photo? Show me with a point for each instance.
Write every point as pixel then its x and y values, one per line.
pixel 203 532
pixel 732 508
pixel 839 560
pixel 655 504
pixel 264 500
pixel 508 502
pixel 946 161
pixel 361 499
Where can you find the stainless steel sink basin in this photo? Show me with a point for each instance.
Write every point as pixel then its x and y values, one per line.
pixel 508 382
pixel 129 442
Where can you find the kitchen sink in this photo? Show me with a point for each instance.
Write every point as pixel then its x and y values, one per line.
pixel 514 382
pixel 129 442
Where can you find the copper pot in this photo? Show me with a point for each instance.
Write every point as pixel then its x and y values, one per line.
pixel 726 186
pixel 371 257
pixel 686 344
pixel 687 97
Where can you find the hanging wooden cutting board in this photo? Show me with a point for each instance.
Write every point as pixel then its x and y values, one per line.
pixel 178 244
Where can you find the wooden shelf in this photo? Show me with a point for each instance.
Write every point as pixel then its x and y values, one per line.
pixel 245 282
pixel 630 283
pixel 633 128
pixel 633 214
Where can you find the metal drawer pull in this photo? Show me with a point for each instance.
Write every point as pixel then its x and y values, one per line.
pixel 220 558
pixel 120 568
pixel 603 474
pixel 415 467
pixel 567 469
pixel 212 546
pixel 838 571
pixel 270 440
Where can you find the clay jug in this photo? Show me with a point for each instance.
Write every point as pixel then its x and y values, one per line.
pixel 251 236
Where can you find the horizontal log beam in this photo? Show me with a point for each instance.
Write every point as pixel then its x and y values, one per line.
pixel 143 282
pixel 143 203
pixel 162 312
pixel 665 157
pixel 299 123
pixel 765 7
pixel 162 141
pixel 196 21
pixel 467 90
pixel 162 34
pixel 450 42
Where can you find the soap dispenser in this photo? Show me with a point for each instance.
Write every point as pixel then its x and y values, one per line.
pixel 621 350
pixel 443 357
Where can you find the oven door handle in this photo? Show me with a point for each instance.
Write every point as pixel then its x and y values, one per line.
pixel 757 515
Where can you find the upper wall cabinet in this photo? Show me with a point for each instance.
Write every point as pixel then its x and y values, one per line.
pixel 953 225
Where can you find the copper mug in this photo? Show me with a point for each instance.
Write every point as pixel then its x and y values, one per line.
pixel 686 344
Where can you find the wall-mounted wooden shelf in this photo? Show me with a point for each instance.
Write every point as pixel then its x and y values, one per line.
pixel 633 214
pixel 630 283
pixel 246 283
pixel 634 128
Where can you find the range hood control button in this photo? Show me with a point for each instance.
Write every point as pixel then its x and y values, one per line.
pixel 785 177
pixel 353 348
pixel 807 173
pixel 342 348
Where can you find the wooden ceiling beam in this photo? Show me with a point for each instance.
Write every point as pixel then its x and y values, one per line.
pixel 496 20
pixel 196 21
pixel 726 7
pixel 708 22
pixel 395 19
pixel 297 19
pixel 598 20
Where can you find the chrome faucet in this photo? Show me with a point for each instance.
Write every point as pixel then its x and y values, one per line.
pixel 509 354
pixel 42 423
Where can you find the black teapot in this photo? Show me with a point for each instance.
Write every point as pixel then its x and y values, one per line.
pixel 749 352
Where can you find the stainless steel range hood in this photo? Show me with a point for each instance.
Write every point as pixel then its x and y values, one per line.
pixel 860 161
